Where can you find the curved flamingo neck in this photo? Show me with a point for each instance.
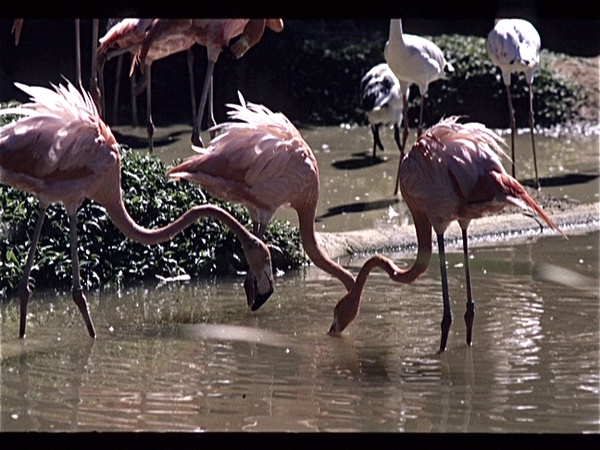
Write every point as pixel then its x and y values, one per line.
pixel 423 229
pixel 347 308
pixel 309 242
pixel 132 230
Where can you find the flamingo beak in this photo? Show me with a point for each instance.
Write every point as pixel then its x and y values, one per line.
pixel 260 299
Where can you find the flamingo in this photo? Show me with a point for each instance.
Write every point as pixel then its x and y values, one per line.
pixel 62 151
pixel 414 60
pixel 262 162
pixel 382 101
pixel 214 34
pixel 514 46
pixel 453 172
pixel 126 36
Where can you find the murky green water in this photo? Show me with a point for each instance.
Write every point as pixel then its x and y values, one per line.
pixel 189 356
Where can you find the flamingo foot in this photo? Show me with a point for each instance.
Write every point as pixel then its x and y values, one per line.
pixel 81 303
pixel 469 317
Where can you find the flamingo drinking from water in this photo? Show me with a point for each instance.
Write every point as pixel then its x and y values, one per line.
pixel 453 172
pixel 62 151
pixel 260 160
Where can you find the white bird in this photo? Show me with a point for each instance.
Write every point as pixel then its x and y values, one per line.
pixel 414 60
pixel 514 46
pixel 381 100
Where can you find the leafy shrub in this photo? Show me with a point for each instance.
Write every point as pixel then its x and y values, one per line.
pixel 107 257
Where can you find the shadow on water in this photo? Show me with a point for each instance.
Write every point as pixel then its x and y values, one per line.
pixel 359 161
pixel 358 207
pixel 569 179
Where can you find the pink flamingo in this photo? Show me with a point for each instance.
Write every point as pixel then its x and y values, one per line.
pixel 126 36
pixel 214 34
pixel 62 151
pixel 453 172
pixel 262 162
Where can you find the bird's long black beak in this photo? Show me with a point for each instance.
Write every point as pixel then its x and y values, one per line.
pixel 260 299
pixel 254 298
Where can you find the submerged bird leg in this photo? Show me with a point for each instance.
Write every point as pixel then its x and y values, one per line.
pixel 531 126
pixel 512 128
pixel 78 296
pixel 24 291
pixel 196 139
pixel 470 313
pixel 447 319
pixel 149 123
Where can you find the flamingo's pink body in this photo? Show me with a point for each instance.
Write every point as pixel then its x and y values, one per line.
pixel 453 172
pixel 262 162
pixel 62 151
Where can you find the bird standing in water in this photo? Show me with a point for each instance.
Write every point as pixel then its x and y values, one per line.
pixel 381 100
pixel 514 46
pixel 414 60
pixel 260 160
pixel 453 172
pixel 62 151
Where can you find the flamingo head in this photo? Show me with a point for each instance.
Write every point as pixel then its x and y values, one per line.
pixel 345 311
pixel 259 282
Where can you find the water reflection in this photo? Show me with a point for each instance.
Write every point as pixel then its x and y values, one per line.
pixel 187 355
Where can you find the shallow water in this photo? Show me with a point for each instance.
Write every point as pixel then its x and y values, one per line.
pixel 189 356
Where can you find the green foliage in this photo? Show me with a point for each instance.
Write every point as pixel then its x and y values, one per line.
pixel 107 257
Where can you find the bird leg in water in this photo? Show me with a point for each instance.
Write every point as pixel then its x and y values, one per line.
pixel 512 128
pixel 397 139
pixel 470 313
pixel 376 139
pixel 447 319
pixel 78 296
pixel 24 291
pixel 531 125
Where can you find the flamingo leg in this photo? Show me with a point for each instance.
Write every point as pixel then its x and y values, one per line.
pixel 470 313
pixel 190 61
pixel 196 139
pixel 149 123
pixel 134 111
pixel 404 137
pixel 397 139
pixel 78 55
pixel 117 85
pixel 376 139
pixel 78 296
pixel 211 112
pixel 531 125
pixel 24 291
pixel 512 128
pixel 420 128
pixel 96 93
pixel 447 319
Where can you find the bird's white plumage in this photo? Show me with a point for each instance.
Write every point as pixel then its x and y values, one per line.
pixel 380 96
pixel 514 46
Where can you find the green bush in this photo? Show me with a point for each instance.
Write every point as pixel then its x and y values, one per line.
pixel 107 257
